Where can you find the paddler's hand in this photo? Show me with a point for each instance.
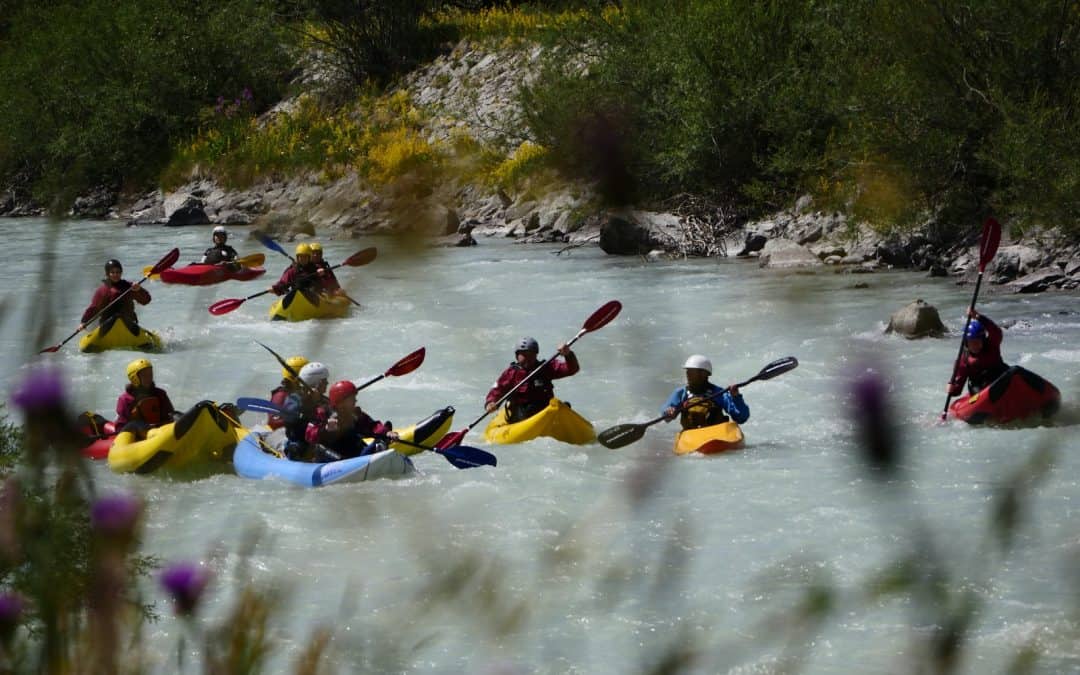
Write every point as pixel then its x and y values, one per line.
pixel 490 407
pixel 332 424
pixel 734 390
pixel 392 436
pixel 669 414
pixel 564 349
pixel 136 286
pixel 273 290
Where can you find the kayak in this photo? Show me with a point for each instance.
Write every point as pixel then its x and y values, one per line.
pixel 424 432
pixel 1016 395
pixel 202 440
pixel 258 456
pixel 557 420
pixel 198 274
pixel 709 440
pixel 115 333
pixel 296 306
pixel 100 434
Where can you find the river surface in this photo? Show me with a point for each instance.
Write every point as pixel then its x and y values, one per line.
pixel 571 559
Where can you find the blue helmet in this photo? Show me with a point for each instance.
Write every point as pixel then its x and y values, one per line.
pixel 975 330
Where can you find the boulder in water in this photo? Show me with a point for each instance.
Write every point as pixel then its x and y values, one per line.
pixel 916 320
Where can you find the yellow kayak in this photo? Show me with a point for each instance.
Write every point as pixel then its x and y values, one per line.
pixel 424 432
pixel 296 306
pixel 557 421
pixel 117 334
pixel 201 441
pixel 709 440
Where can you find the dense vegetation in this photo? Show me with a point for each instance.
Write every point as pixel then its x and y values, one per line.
pixel 890 109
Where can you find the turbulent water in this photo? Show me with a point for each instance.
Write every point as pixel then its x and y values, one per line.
pixel 584 559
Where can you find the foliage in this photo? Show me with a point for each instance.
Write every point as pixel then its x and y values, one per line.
pixel 894 108
pixel 94 92
pixel 511 21
pixel 526 160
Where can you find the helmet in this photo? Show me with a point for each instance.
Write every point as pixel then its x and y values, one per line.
pixel 313 373
pixel 220 229
pixel 136 367
pixel 113 264
pixel 296 363
pixel 975 330
pixel 303 249
pixel 341 391
pixel 315 247
pixel 700 362
pixel 527 344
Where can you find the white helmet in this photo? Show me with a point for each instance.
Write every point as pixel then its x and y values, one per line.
pixel 700 362
pixel 313 373
pixel 220 229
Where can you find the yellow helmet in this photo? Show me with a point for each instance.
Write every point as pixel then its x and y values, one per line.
pixel 136 367
pixel 296 363
pixel 303 249
pixel 315 247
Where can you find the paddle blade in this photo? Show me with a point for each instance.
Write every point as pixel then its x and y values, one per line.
pixel 165 263
pixel 988 246
pixel 253 260
pixel 777 367
pixel 50 350
pixel 257 405
pixel 451 440
pixel 269 243
pixel 621 435
pixel 225 306
pixel 360 257
pixel 602 316
pixel 407 364
pixel 466 457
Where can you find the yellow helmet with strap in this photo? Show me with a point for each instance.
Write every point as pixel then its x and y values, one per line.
pixel 315 247
pixel 136 367
pixel 296 363
pixel 303 249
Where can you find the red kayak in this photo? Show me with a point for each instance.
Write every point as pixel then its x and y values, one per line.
pixel 1016 395
pixel 100 432
pixel 197 274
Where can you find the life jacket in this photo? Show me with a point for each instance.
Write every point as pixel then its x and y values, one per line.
pixel 147 409
pixel 699 411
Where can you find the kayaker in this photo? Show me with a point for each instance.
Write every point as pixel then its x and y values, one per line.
pixel 288 385
pixel 981 362
pixel 143 405
pixel 346 426
pixel 302 275
pixel 532 396
pixel 329 279
pixel 220 252
pixel 700 403
pixel 112 287
pixel 301 414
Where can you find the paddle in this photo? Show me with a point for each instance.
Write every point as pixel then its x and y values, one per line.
pixel 229 304
pixel 404 366
pixel 462 456
pixel 253 260
pixel 596 321
pixel 269 243
pixel 624 434
pixel 165 263
pixel 988 246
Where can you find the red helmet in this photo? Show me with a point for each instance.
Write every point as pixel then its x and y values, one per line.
pixel 341 391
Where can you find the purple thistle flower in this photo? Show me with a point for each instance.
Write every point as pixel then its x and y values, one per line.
pixel 116 516
pixel 11 608
pixel 42 389
pixel 247 95
pixel 873 421
pixel 185 582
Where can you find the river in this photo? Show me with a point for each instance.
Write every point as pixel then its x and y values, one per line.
pixel 571 559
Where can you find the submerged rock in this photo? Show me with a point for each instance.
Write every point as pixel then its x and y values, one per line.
pixel 916 320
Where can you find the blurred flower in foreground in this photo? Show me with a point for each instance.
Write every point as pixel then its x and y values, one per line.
pixel 116 517
pixel 11 607
pixel 185 582
pixel 872 416
pixel 42 389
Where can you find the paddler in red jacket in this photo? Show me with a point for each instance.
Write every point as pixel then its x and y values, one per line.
pixel 303 275
pixel 288 386
pixel 112 287
pixel 329 280
pixel 981 362
pixel 143 403
pixel 532 395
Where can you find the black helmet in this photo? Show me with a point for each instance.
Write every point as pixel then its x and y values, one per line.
pixel 527 344
pixel 113 264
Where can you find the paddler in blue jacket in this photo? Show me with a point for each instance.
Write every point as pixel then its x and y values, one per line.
pixel 700 403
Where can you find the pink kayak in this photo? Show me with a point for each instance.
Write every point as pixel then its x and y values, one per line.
pixel 197 274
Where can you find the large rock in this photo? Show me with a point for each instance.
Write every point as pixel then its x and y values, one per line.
pixel 638 232
pixel 185 209
pixel 754 242
pixel 1014 261
pixel 916 320
pixel 1036 282
pixel 786 254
